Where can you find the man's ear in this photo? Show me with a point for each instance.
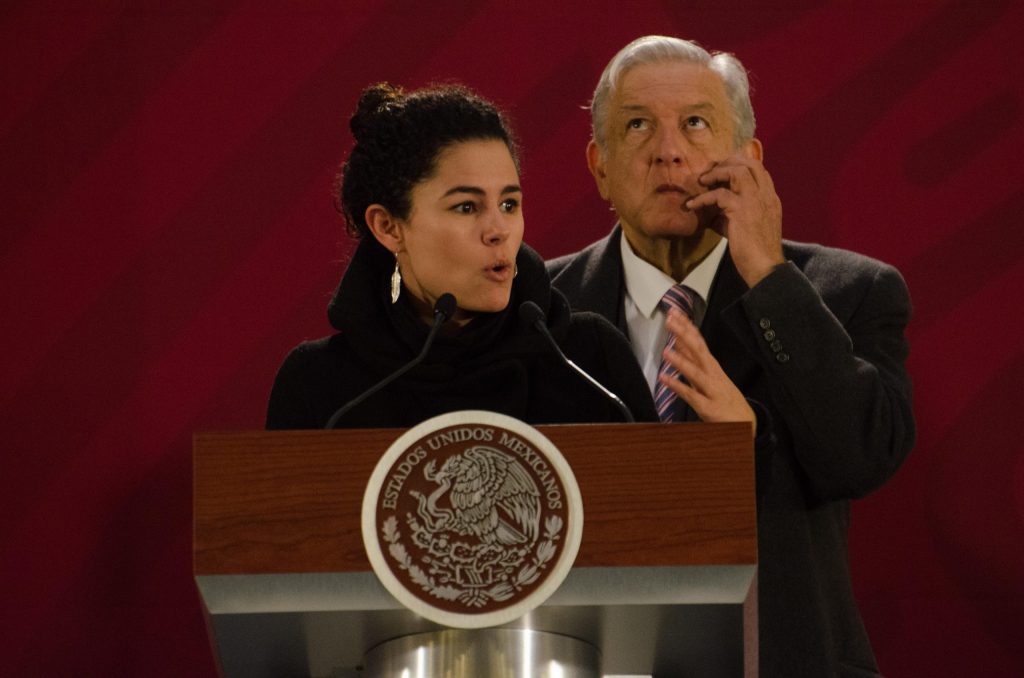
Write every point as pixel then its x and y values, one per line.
pixel 753 149
pixel 385 227
pixel 595 162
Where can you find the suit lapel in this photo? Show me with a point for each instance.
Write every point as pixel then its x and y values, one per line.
pixel 734 358
pixel 602 287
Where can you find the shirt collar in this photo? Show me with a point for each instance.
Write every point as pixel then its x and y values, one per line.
pixel 646 284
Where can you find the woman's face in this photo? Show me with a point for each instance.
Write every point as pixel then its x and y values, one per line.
pixel 464 230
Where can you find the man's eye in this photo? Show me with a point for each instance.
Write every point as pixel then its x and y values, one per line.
pixel 696 122
pixel 509 205
pixel 636 123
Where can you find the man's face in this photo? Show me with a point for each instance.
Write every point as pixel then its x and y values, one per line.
pixel 667 124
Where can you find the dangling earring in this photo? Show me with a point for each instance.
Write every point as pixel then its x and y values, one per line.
pixel 396 282
pixel 515 272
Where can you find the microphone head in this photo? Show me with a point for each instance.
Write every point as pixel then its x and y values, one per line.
pixel 444 306
pixel 530 313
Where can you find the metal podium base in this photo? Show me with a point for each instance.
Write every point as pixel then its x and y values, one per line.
pixel 496 653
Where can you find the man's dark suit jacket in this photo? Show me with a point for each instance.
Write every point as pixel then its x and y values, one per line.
pixel 820 343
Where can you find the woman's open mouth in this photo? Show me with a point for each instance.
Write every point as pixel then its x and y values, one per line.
pixel 499 271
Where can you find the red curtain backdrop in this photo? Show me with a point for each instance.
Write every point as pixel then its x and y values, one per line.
pixel 168 234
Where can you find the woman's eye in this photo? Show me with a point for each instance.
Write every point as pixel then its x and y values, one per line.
pixel 465 208
pixel 509 205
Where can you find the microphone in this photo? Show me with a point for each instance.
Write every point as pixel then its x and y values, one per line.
pixel 530 314
pixel 444 308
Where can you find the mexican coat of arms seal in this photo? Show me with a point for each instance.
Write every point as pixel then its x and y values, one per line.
pixel 472 518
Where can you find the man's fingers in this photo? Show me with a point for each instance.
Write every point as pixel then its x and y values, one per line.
pixel 689 342
pixel 686 392
pixel 722 198
pixel 685 366
pixel 735 172
pixel 706 388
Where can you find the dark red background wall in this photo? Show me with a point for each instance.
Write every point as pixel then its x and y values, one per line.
pixel 168 234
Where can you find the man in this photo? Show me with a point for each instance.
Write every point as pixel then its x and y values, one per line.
pixel 811 339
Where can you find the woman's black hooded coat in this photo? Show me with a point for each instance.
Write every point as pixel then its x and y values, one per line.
pixel 495 363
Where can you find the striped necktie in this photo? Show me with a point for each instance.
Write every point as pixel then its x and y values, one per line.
pixel 667 403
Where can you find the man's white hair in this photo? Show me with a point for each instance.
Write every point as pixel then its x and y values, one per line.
pixel 659 49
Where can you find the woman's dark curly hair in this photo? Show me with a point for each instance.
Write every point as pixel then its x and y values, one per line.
pixel 399 137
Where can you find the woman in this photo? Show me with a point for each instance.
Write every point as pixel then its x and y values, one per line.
pixel 431 191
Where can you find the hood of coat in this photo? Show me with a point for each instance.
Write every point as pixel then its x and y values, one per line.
pixel 387 335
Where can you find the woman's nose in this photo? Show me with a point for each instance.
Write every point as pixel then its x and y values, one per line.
pixel 495 229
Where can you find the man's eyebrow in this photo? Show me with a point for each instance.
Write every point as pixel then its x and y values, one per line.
pixel 701 107
pixel 475 190
pixel 698 107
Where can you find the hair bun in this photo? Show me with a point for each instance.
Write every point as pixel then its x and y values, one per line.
pixel 374 101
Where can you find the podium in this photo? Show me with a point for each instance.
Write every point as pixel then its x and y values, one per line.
pixel 664 583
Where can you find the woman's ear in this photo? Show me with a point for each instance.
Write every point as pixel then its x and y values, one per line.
pixel 385 227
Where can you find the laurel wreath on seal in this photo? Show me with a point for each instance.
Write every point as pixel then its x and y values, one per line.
pixel 501 591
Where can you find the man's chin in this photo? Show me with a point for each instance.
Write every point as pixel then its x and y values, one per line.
pixel 685 225
pixel 677 228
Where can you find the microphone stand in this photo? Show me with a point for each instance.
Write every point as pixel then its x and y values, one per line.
pixel 444 307
pixel 531 314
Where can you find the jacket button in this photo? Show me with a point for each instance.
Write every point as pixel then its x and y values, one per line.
pixel 776 345
pixel 764 323
pixel 769 335
pixel 782 357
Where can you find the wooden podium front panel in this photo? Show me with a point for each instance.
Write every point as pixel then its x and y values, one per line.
pixel 663 494
pixel 654 495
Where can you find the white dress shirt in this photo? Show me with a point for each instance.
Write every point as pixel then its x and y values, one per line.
pixel 645 286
